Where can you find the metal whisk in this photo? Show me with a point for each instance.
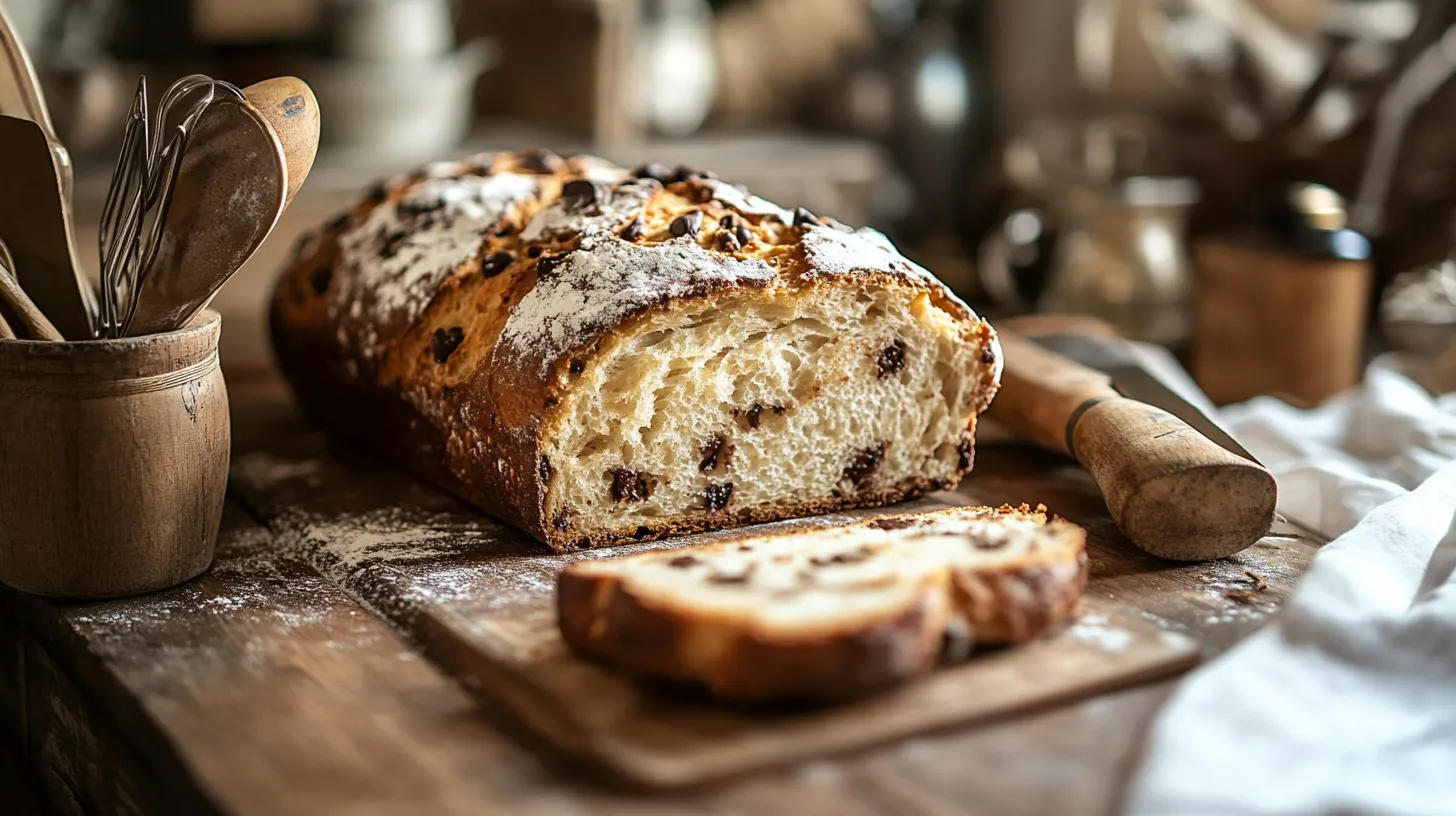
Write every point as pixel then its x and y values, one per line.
pixel 141 191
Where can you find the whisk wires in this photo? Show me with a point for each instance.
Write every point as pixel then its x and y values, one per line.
pixel 140 192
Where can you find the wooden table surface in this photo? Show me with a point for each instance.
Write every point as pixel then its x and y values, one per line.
pixel 264 687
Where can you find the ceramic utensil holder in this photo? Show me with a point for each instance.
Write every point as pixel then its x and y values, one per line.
pixel 113 461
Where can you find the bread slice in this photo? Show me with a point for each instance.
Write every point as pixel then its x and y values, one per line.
pixel 827 613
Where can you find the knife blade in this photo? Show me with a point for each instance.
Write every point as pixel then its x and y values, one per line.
pixel 1116 359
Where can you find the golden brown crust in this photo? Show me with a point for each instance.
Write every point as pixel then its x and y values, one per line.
pixel 620 629
pixel 428 358
pixel 1018 604
pixel 1007 604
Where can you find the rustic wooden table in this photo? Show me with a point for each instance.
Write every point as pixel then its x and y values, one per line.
pixel 267 687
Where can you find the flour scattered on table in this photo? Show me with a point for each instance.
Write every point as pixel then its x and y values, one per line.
pixel 262 471
pixel 1094 630
pixel 1241 613
pixel 1174 640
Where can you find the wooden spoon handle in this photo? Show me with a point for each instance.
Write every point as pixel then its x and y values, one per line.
pixel 1171 491
pixel 23 75
pixel 26 313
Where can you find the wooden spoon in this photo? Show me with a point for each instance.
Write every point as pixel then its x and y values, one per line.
pixel 23 309
pixel 230 190
pixel 19 306
pixel 288 105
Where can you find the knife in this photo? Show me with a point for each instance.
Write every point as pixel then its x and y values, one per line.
pixel 1176 484
pixel 1115 358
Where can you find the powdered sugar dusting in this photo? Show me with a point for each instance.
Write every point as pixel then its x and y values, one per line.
pixel 608 279
pixel 834 251
pixel 597 169
pixel 440 169
pixel 403 251
pixel 562 218
pixel 740 199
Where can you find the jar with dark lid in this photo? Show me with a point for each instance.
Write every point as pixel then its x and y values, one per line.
pixel 1282 304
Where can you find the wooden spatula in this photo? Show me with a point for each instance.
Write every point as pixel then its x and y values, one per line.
pixel 35 225
pixel 230 191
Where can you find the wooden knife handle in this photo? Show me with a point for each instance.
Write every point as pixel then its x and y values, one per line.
pixel 1171 491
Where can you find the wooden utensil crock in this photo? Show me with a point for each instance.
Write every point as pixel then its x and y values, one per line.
pixel 113 461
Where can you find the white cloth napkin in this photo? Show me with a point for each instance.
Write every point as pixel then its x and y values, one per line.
pixel 1345 702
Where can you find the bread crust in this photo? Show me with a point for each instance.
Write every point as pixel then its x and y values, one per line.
pixel 363 354
pixel 600 617
pixel 1021 603
pixel 601 620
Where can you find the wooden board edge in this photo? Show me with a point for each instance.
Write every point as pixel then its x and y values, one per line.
pixel 648 771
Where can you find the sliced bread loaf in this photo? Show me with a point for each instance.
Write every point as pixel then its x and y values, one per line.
pixel 827 613
pixel 598 355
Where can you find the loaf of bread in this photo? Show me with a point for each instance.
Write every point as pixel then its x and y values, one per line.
pixel 827 613
pixel 598 355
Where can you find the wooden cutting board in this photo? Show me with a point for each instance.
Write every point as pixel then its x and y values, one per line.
pixel 477 598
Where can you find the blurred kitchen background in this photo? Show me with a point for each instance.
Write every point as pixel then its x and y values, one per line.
pixel 1263 186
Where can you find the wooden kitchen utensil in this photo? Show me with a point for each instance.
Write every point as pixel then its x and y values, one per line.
pixel 139 197
pixel 229 192
pixel 113 462
pixel 19 305
pixel 55 278
pixel 1172 491
pixel 35 224
pixel 288 105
